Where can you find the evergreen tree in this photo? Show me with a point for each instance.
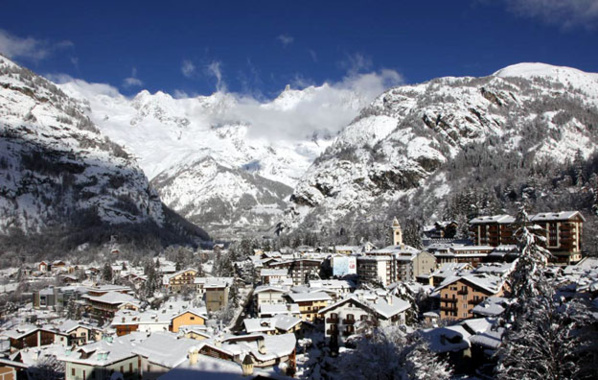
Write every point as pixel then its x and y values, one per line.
pixel 550 340
pixel 391 354
pixel 527 279
pixel 233 295
pixel 107 272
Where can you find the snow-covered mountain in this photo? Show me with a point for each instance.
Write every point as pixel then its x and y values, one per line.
pixel 225 162
pixel 59 175
pixel 401 147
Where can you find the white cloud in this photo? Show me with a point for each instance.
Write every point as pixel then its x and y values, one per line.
pixel 81 89
pixel 29 48
pixel 188 68
pixel 214 70
pixel 313 55
pixel 132 81
pixel 565 13
pixel 355 63
pixel 295 115
pixel 324 109
pixel 285 39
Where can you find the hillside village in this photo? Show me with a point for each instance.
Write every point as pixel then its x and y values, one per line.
pixel 278 314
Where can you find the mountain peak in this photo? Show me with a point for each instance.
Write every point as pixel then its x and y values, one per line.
pixel 537 69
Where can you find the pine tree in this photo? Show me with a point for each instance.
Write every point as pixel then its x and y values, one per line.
pixel 549 341
pixel 233 295
pixel 391 354
pixel 107 272
pixel 527 279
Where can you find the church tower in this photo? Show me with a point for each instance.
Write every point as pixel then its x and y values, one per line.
pixel 397 233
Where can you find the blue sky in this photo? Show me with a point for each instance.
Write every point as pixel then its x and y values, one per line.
pixel 256 48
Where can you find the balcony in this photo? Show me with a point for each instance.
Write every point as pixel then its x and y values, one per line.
pixel 449 308
pixel 446 299
pixel 348 321
pixel 463 291
pixel 474 302
pixel 332 320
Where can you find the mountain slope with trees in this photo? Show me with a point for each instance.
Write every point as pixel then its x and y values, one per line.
pixel 453 149
pixel 63 183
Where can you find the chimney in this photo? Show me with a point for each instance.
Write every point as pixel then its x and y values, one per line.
pixel 193 356
pixel 247 366
pixel 389 299
pixel 261 346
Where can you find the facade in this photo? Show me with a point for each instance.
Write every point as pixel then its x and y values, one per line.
pixel 356 314
pixel 107 305
pixel 269 295
pixel 273 276
pixel 188 318
pixel 29 336
pixel 493 230
pixel 376 269
pixel 300 270
pixel 459 295
pixel 310 304
pixel 179 280
pixel 562 230
pixel 216 296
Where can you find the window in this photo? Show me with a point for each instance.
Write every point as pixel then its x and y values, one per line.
pixel 130 367
pixel 72 372
pixel 192 318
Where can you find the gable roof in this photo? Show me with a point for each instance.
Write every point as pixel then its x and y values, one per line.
pixel 490 283
pixel 379 306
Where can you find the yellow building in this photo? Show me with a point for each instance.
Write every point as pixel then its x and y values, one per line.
pixel 177 281
pixel 310 304
pixel 190 317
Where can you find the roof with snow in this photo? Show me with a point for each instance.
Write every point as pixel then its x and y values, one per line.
pixel 206 368
pixel 114 298
pixel 307 297
pixel 556 216
pixel 500 219
pixel 292 308
pixel 377 305
pixel 488 282
pixel 154 349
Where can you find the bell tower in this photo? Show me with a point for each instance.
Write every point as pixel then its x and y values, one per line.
pixel 397 233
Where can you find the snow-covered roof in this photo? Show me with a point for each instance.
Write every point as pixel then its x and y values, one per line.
pixel 447 339
pixel 214 282
pixel 114 298
pixel 183 271
pixel 490 339
pixel 106 352
pixel 292 308
pixel 206 368
pixel 385 307
pixel 270 288
pixel 491 307
pixel 273 272
pixel 307 297
pixel 395 250
pixel 165 349
pixel 281 322
pixel 555 216
pixel 70 325
pixel 332 284
pixel 500 269
pixel 488 282
pixel 500 219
